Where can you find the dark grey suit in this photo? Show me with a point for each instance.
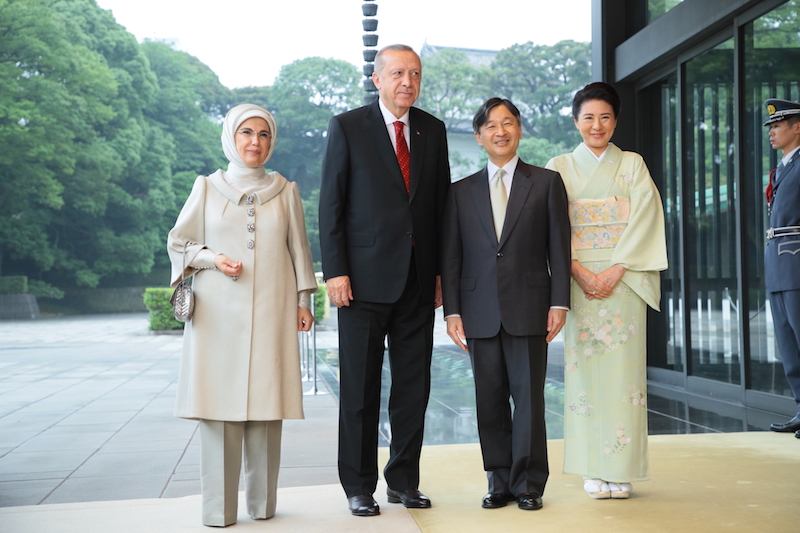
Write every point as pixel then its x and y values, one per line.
pixel 503 292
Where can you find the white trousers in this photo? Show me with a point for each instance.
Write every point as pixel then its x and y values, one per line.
pixel 221 445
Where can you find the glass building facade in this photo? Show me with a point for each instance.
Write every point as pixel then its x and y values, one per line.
pixel 694 76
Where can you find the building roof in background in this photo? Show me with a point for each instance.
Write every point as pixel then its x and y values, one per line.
pixel 476 56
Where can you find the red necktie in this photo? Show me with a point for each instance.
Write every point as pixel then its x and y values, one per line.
pixel 403 157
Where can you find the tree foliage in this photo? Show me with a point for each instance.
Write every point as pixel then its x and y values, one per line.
pixel 95 121
pixel 103 136
pixel 304 97
pixel 541 81
pixel 74 84
pixel 453 89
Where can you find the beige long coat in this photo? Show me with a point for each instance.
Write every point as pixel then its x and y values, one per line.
pixel 240 356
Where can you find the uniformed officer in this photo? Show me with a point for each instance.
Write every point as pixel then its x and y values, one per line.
pixel 782 258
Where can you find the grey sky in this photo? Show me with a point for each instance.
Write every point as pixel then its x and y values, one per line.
pixel 246 43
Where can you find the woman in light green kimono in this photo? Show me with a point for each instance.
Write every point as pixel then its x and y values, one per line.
pixel 618 248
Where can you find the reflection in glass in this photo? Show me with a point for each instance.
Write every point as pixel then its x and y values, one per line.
pixel 771 56
pixel 661 151
pixel 710 244
pixel 672 302
pixel 656 8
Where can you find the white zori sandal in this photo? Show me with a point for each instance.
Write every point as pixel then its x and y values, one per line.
pixel 597 489
pixel 620 490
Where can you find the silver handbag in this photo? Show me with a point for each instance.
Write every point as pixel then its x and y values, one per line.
pixel 182 299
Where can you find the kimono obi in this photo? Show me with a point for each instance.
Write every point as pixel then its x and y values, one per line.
pixel 598 223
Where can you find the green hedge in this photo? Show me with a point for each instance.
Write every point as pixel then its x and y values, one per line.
pixel 161 317
pixel 13 284
pixel 42 289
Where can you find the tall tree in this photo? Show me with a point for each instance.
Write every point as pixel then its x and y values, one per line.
pixel 304 97
pixel 184 120
pixel 75 203
pixel 34 120
pixel 541 80
pixel 453 88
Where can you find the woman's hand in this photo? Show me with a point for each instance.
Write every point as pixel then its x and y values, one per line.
pixel 593 286
pixel 304 319
pixel 226 266
pixel 612 275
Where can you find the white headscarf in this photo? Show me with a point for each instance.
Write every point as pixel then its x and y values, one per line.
pixel 237 168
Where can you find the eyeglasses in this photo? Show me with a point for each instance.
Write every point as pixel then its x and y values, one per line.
pixel 262 135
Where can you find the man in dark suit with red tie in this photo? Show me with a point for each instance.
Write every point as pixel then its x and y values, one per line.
pixel 505 282
pixel 385 177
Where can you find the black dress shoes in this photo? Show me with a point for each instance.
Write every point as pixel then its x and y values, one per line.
pixel 496 500
pixel 411 498
pixel 787 427
pixel 797 434
pixel 529 502
pixel 363 505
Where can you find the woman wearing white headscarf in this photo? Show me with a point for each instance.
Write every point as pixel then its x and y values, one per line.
pixel 240 367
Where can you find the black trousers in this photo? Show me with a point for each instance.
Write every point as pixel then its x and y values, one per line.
pixel 514 447
pixel 363 327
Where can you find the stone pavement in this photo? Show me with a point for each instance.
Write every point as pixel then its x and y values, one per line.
pixel 86 412
pixel 86 415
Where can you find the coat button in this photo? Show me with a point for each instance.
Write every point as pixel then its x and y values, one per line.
pixel 251 227
pixel 408 234
pixel 251 244
pixel 251 211
pixel 499 254
pixel 249 199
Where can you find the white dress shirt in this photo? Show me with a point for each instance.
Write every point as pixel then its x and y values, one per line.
pixel 389 119
pixel 508 179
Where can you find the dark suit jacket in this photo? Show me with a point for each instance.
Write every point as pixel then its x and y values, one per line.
pixel 367 221
pixel 782 259
pixel 490 283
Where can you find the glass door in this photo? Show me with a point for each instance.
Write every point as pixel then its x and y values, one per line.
pixel 710 209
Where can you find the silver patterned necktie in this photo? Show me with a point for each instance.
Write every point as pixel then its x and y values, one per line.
pixel 499 198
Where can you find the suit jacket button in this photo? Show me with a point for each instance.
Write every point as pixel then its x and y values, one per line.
pixel 408 234
pixel 499 254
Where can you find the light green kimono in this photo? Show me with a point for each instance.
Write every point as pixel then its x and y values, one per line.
pixel 616 218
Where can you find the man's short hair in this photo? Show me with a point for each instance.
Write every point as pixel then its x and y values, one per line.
pixel 482 115
pixel 379 61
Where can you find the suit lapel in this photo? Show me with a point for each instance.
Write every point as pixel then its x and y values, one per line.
pixel 520 189
pixel 379 137
pixel 483 203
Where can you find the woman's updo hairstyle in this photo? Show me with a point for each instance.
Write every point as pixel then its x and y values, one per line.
pixel 596 91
